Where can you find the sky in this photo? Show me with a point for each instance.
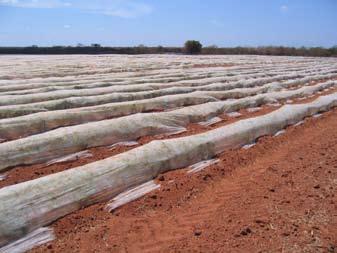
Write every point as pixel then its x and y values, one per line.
pixel 168 22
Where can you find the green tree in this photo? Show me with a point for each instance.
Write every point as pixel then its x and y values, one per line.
pixel 192 47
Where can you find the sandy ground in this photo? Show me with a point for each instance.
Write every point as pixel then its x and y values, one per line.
pixel 278 196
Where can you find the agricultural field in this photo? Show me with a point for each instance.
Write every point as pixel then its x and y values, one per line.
pixel 168 153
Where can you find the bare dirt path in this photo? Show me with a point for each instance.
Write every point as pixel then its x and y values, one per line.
pixel 278 196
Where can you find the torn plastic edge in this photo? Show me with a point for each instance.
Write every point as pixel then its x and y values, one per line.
pixel 72 157
pixel 233 114
pixel 36 238
pixel 280 132
pixel 302 98
pixel 248 146
pixel 178 131
pixel 201 165
pixel 274 104
pixel 131 195
pixel 210 122
pixel 124 143
pixel 3 177
pixel 254 109
pixel 299 123
pixel 317 115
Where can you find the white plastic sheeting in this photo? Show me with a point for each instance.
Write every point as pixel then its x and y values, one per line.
pixel 120 106
pixel 69 140
pixel 124 143
pixel 253 109
pixel 210 122
pixel 41 94
pixel 28 206
pixel 132 194
pixel 71 157
pixel 208 76
pixel 71 69
pixel 38 237
pixel 317 115
pixel 15 109
pixel 152 81
pixel 22 126
pixel 280 132
pixel 13 128
pixel 163 75
pixel 248 146
pixel 199 166
pixel 275 104
pixel 160 71
pixel 234 114
pixel 299 123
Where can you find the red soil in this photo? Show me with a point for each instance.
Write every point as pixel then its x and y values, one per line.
pixel 278 196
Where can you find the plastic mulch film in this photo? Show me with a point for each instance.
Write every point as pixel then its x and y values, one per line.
pixel 69 140
pixel 257 85
pixel 132 194
pixel 201 165
pixel 71 157
pixel 22 126
pixel 38 237
pixel 210 122
pixel 30 205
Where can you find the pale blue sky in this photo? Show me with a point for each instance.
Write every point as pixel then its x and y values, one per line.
pixel 168 22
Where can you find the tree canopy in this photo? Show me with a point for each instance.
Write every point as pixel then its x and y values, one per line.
pixel 192 47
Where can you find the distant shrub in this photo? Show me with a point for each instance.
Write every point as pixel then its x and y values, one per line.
pixel 192 47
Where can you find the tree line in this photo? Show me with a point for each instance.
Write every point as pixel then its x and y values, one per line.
pixel 190 47
pixel 273 50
